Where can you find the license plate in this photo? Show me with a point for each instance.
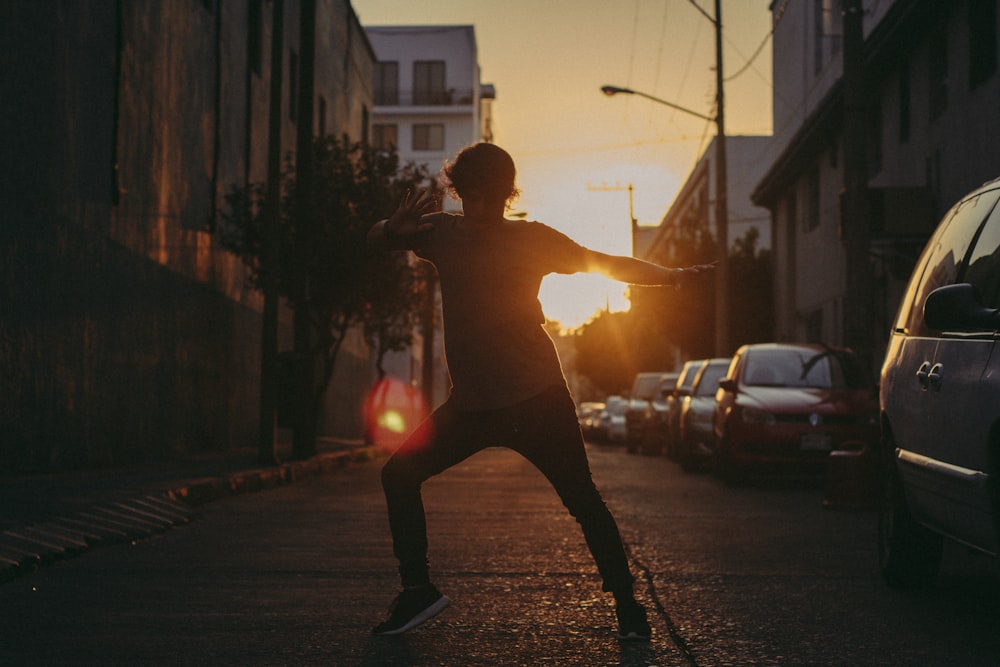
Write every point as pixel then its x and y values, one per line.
pixel 816 442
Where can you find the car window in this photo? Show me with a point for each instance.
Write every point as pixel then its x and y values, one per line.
pixel 802 368
pixel 942 257
pixel 984 262
pixel 708 381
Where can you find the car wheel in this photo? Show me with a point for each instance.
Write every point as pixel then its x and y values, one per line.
pixel 909 554
pixel 723 465
pixel 685 456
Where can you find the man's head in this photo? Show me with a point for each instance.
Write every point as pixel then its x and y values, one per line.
pixel 482 171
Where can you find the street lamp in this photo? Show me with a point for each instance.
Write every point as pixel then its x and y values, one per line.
pixel 722 348
pixel 614 90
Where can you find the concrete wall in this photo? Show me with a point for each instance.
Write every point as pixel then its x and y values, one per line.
pixel 126 332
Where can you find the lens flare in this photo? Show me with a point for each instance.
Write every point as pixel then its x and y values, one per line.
pixel 392 411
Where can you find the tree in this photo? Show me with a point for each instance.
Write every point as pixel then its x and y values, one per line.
pixel 327 273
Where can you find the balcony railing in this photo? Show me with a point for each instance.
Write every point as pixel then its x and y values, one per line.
pixel 436 98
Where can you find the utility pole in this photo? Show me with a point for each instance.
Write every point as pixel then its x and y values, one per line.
pixel 858 310
pixel 722 337
pixel 631 209
pixel 722 334
pixel 266 452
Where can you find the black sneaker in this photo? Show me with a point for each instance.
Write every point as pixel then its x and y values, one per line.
pixel 632 623
pixel 412 608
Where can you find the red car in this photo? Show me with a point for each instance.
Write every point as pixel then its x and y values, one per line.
pixel 789 405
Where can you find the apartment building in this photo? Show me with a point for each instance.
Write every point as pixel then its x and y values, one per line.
pixel 429 101
pixel 931 94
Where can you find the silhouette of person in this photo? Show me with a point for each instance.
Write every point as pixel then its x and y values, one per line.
pixel 508 387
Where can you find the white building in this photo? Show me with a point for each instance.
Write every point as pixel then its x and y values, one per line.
pixel 429 102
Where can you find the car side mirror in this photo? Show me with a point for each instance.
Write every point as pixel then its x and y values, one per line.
pixel 959 308
pixel 728 384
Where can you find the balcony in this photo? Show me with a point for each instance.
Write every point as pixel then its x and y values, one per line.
pixel 424 98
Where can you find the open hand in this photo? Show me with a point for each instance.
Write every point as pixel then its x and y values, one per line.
pixel 408 217
pixel 689 272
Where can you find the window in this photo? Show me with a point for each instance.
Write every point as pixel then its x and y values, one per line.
pixel 817 36
pixel 792 209
pixel 255 35
pixel 982 41
pixel 387 83
pixel 428 137
pixel 942 256
pixel 984 262
pixel 938 73
pixel 293 85
pixel 385 136
pixel 428 82
pixel 904 102
pixel 874 138
pixel 811 220
pixel 321 121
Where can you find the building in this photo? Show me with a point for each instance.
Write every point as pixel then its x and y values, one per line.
pixel 930 93
pixel 693 204
pixel 127 332
pixel 429 104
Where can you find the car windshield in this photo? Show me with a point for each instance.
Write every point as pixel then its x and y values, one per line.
pixel 800 367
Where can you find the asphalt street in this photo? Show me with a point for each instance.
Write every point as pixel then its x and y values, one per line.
pixel 297 575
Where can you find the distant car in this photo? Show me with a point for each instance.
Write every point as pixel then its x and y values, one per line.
pixel 940 399
pixel 613 420
pixel 788 405
pixel 655 440
pixel 589 414
pixel 695 437
pixel 638 415
pixel 682 389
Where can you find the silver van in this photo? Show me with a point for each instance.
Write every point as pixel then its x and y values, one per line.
pixel 940 398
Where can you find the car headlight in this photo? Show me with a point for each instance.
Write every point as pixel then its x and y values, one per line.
pixel 756 416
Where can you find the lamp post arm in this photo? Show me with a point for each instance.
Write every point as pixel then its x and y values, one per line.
pixel 612 90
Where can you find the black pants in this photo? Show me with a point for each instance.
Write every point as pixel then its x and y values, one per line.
pixel 545 431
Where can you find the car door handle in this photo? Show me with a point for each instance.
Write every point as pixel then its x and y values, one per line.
pixel 934 377
pixel 923 374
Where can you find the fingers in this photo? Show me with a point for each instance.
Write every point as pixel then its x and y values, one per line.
pixel 423 201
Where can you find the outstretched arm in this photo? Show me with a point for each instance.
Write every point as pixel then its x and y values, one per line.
pixel 640 272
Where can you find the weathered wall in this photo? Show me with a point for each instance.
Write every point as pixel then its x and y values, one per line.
pixel 126 333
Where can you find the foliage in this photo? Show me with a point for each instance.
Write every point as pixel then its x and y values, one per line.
pixel 326 271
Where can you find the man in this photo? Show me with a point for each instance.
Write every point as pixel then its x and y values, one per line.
pixel 507 383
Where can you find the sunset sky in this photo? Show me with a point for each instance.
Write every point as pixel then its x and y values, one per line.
pixel 548 60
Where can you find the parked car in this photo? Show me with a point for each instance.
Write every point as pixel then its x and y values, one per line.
pixel 655 440
pixel 681 390
pixel 589 415
pixel 695 436
pixel 940 398
pixel 788 405
pixel 613 420
pixel 638 415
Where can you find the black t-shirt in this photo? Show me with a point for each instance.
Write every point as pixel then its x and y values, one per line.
pixel 497 349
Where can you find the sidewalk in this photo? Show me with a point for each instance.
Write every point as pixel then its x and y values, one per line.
pixel 46 518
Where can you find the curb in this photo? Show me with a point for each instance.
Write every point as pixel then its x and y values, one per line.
pixel 24 550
